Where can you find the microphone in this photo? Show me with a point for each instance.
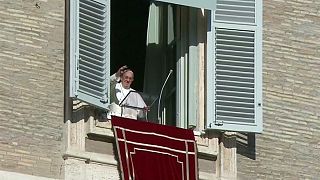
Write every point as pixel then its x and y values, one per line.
pixel 165 82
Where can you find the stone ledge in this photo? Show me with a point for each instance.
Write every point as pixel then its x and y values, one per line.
pixel 90 157
pixel 207 176
pixel 7 175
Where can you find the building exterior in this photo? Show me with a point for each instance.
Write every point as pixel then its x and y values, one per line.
pixel 45 134
pixel 32 80
pixel 289 145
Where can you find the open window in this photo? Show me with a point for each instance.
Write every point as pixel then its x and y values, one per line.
pixel 155 37
pixel 173 43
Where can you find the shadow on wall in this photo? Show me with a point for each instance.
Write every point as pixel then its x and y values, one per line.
pixel 80 111
pixel 246 145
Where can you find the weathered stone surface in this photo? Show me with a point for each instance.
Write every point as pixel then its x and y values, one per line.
pixel 289 146
pixel 31 86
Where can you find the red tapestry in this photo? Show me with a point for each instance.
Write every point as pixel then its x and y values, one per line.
pixel 149 151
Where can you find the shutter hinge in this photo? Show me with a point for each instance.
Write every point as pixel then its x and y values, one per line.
pixel 76 86
pixel 77 65
pixel 76 77
pixel 104 99
pixel 218 123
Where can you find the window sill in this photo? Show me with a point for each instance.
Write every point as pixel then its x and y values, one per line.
pixel 207 144
pixel 90 157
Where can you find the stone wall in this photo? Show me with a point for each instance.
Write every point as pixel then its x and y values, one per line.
pixel 31 86
pixel 289 147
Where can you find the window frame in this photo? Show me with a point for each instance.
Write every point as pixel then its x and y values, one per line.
pixel 186 113
pixel 183 98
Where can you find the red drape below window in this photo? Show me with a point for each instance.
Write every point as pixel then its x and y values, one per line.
pixel 150 151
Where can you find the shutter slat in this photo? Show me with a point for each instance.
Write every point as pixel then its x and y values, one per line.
pixel 237 109
pixel 232 50
pixel 232 12
pixel 234 99
pixel 92 36
pixel 235 11
pixel 88 62
pixel 98 64
pixel 235 8
pixel 91 55
pixel 235 88
pixel 234 73
pixel 234 38
pixel 91 86
pixel 92 17
pixel 92 78
pixel 237 104
pixel 234 58
pixel 237 3
pixel 237 19
pixel 91 21
pixel 92 26
pixel 92 6
pixel 89 72
pixel 234 83
pixel 91 92
pixel 235 68
pixel 248 116
pixel 235 64
pixel 91 12
pixel 236 49
pixel 227 94
pixel 236 79
pixel 235 53
pixel 235 112
pixel 235 43
pixel 238 63
pixel 231 120
pixel 86 82
pixel 86 45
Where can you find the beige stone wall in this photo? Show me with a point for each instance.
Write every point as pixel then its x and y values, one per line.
pixel 31 86
pixel 289 146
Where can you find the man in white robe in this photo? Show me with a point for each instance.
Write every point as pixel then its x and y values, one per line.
pixel 132 105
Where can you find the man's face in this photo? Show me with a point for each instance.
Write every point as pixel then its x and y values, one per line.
pixel 127 79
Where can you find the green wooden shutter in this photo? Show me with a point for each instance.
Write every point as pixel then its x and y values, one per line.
pixel 90 51
pixel 235 68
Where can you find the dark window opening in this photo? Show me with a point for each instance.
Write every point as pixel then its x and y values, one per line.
pixel 150 61
pixel 129 23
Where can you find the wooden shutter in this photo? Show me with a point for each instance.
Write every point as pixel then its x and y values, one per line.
pixel 90 51
pixel 235 68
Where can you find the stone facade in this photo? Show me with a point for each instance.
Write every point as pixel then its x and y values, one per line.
pixel 34 136
pixel 31 87
pixel 289 147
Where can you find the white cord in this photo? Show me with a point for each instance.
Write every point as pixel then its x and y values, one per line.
pixel 161 94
